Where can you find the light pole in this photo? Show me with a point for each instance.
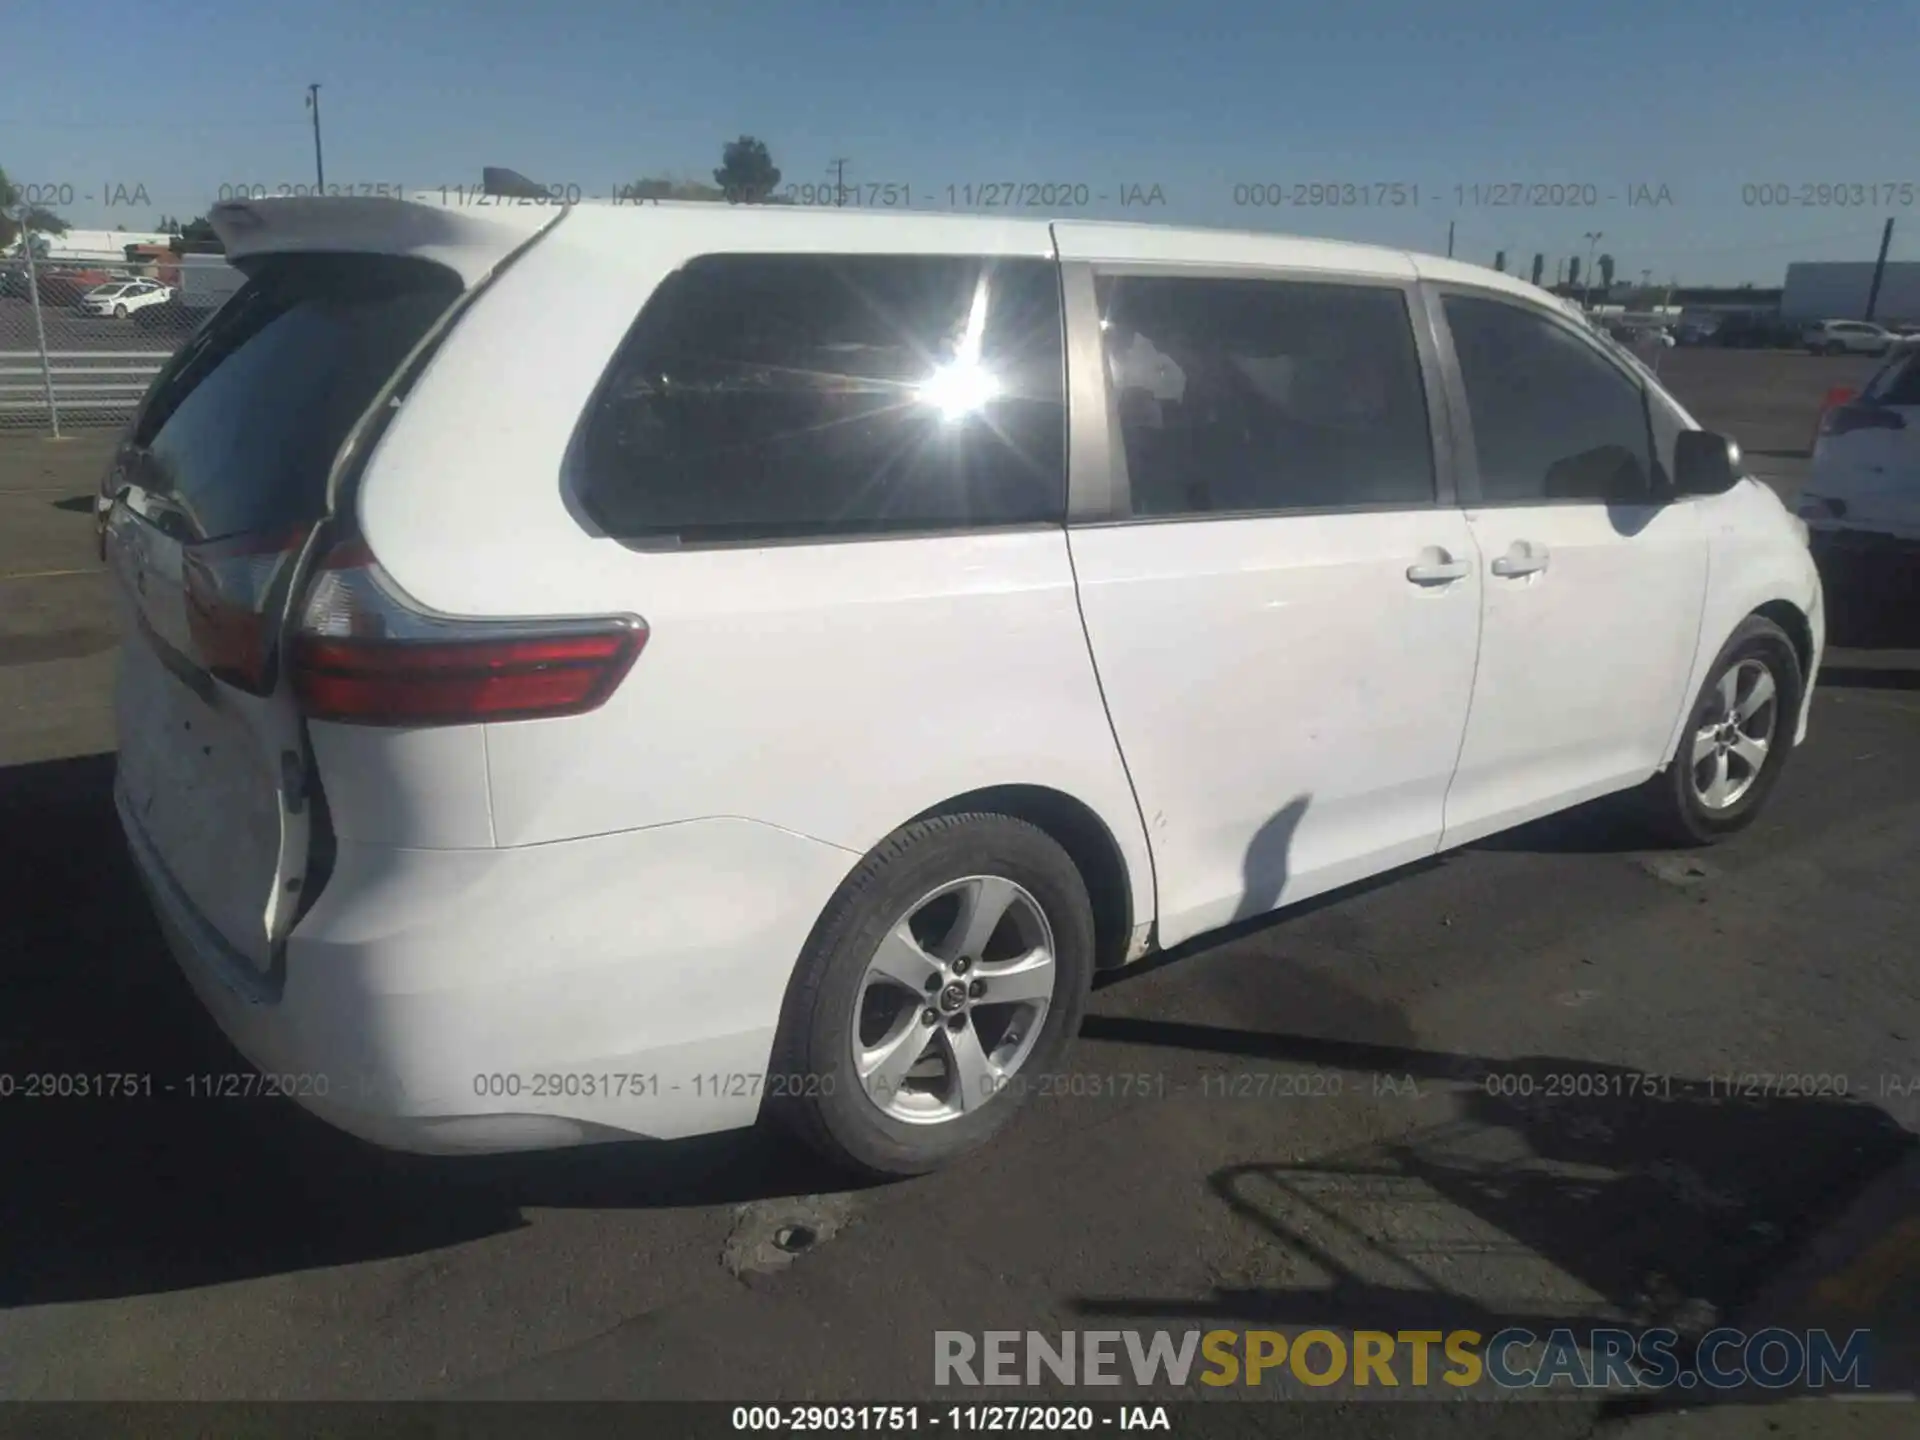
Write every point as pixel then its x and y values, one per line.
pixel 839 168
pixel 1593 238
pixel 319 171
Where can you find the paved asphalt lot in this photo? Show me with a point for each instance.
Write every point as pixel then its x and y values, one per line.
pixel 180 1248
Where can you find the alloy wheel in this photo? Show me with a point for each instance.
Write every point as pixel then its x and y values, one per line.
pixel 953 1000
pixel 1730 747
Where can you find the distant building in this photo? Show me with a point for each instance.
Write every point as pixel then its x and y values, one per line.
pixel 109 246
pixel 1837 290
pixel 1693 299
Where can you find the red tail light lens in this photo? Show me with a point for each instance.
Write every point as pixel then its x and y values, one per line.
pixel 230 588
pixel 364 656
pixel 382 682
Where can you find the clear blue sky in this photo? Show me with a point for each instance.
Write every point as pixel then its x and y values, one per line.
pixel 1196 96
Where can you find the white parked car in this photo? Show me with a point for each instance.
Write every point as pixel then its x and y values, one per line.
pixel 1861 499
pixel 1848 337
pixel 598 673
pixel 120 298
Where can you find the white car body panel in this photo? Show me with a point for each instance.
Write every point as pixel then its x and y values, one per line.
pixel 468 239
pixel 1582 663
pixel 1873 472
pixel 1262 786
pixel 624 893
pixel 637 973
pixel 1756 558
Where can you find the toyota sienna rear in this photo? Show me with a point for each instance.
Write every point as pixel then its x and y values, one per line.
pixel 609 672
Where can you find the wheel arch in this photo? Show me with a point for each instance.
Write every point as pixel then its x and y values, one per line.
pixel 1089 842
pixel 1783 611
pixel 1799 627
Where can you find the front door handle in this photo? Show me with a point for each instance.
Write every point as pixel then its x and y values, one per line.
pixel 1523 558
pixel 1437 574
pixel 1436 567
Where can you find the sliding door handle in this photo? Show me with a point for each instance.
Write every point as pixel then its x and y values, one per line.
pixel 1524 558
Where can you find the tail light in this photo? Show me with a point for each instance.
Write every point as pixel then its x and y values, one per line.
pixel 363 655
pixel 232 593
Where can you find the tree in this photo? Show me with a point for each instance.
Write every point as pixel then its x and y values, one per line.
pixel 1606 272
pixel 747 173
pixel 1573 270
pixel 658 188
pixel 1539 267
pixel 197 237
pixel 16 215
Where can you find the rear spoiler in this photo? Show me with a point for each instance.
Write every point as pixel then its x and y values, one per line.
pixel 468 238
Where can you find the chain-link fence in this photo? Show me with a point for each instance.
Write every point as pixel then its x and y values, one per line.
pixel 81 337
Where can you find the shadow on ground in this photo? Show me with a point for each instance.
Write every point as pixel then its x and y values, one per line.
pixel 1558 1194
pixel 1562 1194
pixel 125 1196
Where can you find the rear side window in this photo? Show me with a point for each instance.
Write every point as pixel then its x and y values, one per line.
pixel 1242 396
pixel 774 396
pixel 241 428
pixel 1898 384
pixel 1552 419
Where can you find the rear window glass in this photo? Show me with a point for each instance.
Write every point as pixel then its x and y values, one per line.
pixel 241 428
pixel 1898 384
pixel 769 396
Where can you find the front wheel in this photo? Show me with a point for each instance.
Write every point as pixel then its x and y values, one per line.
pixel 949 972
pixel 119 312
pixel 1736 738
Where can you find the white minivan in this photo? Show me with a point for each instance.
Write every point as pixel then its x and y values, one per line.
pixel 610 672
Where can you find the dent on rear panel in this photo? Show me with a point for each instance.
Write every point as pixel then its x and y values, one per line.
pixel 198 789
pixel 425 788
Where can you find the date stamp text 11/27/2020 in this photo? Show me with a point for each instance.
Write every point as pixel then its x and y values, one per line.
pixel 1478 195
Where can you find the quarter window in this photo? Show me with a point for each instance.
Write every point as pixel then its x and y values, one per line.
pixel 1237 396
pixel 1898 384
pixel 765 396
pixel 1552 419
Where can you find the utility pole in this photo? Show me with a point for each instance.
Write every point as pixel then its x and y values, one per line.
pixel 838 166
pixel 319 170
pixel 1449 239
pixel 1593 238
pixel 1879 269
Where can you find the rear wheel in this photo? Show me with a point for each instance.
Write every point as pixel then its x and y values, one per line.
pixel 1735 741
pixel 951 968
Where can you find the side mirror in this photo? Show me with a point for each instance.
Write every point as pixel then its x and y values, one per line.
pixel 1705 463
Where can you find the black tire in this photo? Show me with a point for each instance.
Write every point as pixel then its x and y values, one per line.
pixel 820 1097
pixel 119 312
pixel 1678 813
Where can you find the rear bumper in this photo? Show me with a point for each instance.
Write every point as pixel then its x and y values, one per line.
pixel 459 1001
